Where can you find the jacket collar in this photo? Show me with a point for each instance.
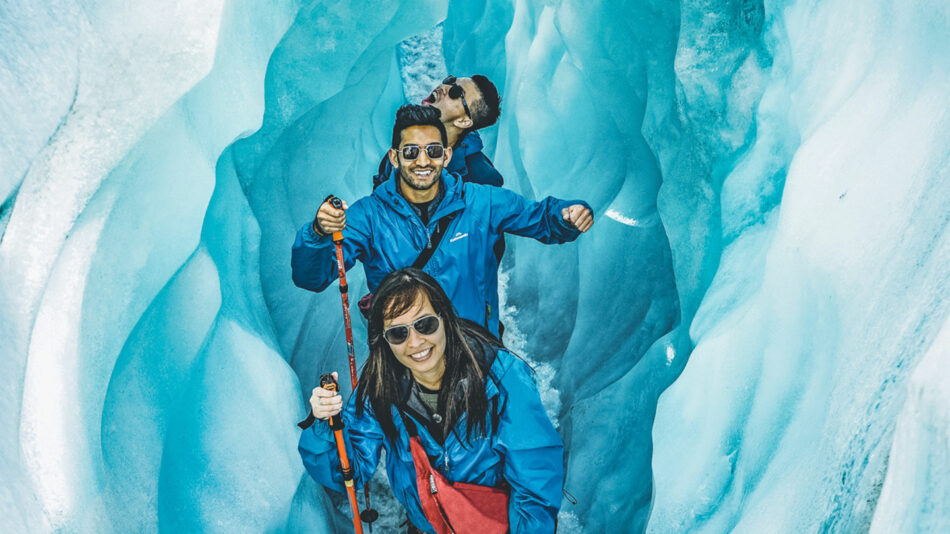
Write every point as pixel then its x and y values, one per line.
pixel 469 144
pixel 388 194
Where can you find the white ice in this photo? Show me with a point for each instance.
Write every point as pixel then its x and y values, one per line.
pixel 753 337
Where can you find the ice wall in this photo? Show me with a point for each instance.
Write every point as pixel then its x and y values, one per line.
pixel 144 228
pixel 110 303
pixel 769 180
pixel 831 287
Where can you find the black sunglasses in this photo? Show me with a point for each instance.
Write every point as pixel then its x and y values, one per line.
pixel 425 326
pixel 456 91
pixel 434 151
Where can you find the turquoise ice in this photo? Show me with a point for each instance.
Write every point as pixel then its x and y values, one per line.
pixel 754 337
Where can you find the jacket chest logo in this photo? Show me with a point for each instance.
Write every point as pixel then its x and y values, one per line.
pixel 457 236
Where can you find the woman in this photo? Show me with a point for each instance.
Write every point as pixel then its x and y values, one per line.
pixel 473 405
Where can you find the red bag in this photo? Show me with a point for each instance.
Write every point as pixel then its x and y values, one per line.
pixel 457 507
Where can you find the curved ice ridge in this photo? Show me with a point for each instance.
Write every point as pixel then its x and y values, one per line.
pixel 154 354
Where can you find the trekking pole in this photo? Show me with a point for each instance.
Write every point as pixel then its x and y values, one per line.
pixel 369 515
pixel 336 424
pixel 347 326
pixel 344 294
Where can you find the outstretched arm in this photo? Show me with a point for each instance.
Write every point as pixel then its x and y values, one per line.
pixel 551 220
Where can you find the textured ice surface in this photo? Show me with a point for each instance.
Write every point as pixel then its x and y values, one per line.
pixel 831 289
pixel 771 187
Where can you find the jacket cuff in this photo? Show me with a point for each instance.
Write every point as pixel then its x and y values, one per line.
pixel 566 226
pixel 315 228
pixel 314 237
pixel 321 431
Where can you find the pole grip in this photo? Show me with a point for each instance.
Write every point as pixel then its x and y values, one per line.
pixel 338 204
pixel 328 383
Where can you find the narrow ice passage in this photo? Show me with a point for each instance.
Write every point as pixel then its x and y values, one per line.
pixel 753 338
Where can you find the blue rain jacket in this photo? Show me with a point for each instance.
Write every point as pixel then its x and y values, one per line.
pixel 467 161
pixel 525 450
pixel 385 234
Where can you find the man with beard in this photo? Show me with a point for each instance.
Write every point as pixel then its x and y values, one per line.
pixel 404 219
pixel 465 105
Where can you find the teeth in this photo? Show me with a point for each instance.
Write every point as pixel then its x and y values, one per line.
pixel 421 355
pixel 423 173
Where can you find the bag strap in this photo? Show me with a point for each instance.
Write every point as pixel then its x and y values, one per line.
pixel 409 424
pixel 434 241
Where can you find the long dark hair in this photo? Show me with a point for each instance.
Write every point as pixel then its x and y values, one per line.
pixel 463 383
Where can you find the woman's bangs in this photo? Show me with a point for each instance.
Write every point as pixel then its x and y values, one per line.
pixel 402 302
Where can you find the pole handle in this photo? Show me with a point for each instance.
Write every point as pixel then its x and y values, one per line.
pixel 338 204
pixel 328 383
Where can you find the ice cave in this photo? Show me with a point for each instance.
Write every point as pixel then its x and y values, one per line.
pixel 753 338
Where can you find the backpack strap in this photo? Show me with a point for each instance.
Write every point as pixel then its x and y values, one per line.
pixel 366 301
pixel 434 241
pixel 381 174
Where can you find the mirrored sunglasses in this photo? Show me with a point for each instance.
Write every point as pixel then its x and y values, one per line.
pixel 434 151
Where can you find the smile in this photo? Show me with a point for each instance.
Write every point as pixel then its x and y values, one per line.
pixel 423 174
pixel 421 356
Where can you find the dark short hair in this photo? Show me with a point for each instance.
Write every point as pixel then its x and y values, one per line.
pixel 485 112
pixel 414 115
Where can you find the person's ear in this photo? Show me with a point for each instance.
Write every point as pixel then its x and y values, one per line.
pixel 463 123
pixel 394 158
pixel 447 157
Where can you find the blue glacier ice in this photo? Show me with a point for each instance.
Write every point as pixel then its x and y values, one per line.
pixel 755 336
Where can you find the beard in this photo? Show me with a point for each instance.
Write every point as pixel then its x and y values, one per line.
pixel 409 179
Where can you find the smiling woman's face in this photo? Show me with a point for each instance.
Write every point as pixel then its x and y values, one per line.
pixel 423 355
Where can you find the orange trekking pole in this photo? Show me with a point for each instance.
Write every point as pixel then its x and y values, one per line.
pixel 369 515
pixel 336 424
pixel 344 294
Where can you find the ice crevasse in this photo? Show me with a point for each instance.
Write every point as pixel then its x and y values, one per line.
pixel 753 338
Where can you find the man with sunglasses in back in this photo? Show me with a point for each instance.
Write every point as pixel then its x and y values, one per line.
pixel 465 105
pixel 402 222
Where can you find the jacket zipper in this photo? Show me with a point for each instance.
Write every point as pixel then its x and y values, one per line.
pixel 424 229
